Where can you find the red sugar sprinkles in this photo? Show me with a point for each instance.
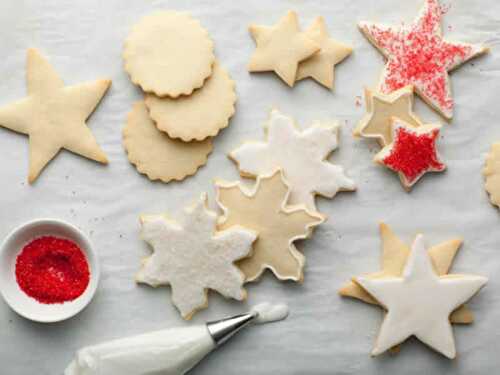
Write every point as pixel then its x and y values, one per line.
pixel 52 270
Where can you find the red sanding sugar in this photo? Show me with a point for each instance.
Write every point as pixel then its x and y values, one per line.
pixel 414 154
pixel 52 270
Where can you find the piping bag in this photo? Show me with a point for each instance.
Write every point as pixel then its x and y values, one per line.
pixel 168 352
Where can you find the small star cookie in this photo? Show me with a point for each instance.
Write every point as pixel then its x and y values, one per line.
pixel 280 48
pixel 320 66
pixel 418 55
pixel 278 227
pixel 412 152
pixel 54 115
pixel 192 257
pixel 491 173
pixel 419 302
pixel 381 108
pixel 155 154
pixel 301 155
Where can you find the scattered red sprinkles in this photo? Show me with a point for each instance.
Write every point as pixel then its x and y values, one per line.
pixel 414 154
pixel 418 55
pixel 52 270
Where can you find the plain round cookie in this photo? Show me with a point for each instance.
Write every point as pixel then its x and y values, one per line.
pixel 155 154
pixel 197 116
pixel 491 172
pixel 168 53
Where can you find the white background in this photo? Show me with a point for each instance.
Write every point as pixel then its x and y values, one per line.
pixel 324 334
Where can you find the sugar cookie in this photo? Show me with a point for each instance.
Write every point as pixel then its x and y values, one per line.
pixel 491 173
pixel 300 154
pixel 192 257
pixel 53 115
pixel 197 116
pixel 169 54
pixel 278 227
pixel 155 154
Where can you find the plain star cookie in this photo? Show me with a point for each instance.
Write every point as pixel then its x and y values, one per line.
pixel 54 115
pixel 197 116
pixel 419 302
pixel 418 55
pixel 280 48
pixel 412 152
pixel 169 54
pixel 491 173
pixel 381 108
pixel 277 226
pixel 320 66
pixel 192 257
pixel 301 155
pixel 155 154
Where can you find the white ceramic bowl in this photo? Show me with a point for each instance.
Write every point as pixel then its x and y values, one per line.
pixel 18 300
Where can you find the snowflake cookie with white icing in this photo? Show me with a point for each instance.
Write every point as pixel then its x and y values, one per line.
pixel 191 256
pixel 301 155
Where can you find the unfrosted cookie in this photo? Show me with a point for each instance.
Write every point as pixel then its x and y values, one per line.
pixel 281 47
pixel 263 210
pixel 168 53
pixel 418 55
pixel 54 115
pixel 197 116
pixel 192 257
pixel 491 173
pixel 155 154
pixel 301 155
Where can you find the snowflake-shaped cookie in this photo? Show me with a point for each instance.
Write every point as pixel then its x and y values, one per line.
pixel 191 257
pixel 301 155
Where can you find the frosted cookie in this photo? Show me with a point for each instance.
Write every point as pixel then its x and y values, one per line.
pixel 280 48
pixel 155 154
pixel 54 115
pixel 418 55
pixel 380 108
pixel 278 227
pixel 491 173
pixel 320 66
pixel 192 257
pixel 412 152
pixel 394 257
pixel 199 115
pixel 419 302
pixel 301 155
pixel 168 53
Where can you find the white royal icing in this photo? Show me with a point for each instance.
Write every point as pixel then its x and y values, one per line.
pixel 420 302
pixel 268 313
pixel 302 157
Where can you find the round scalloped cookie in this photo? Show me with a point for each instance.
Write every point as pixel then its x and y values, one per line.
pixel 155 154
pixel 169 54
pixel 491 173
pixel 197 116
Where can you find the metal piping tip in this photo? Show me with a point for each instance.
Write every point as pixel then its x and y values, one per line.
pixel 222 330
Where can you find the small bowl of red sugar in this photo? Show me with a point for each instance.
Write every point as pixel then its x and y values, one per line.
pixel 48 270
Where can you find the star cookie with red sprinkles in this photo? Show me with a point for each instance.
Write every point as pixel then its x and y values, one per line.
pixel 418 55
pixel 412 152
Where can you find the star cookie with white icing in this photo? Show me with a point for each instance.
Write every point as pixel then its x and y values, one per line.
pixel 263 210
pixel 419 302
pixel 301 155
pixel 54 115
pixel 281 47
pixel 418 55
pixel 192 257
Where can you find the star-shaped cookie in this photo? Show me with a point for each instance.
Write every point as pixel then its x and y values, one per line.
pixel 394 257
pixel 192 257
pixel 380 108
pixel 301 155
pixel 419 302
pixel 53 115
pixel 280 48
pixel 412 152
pixel 418 55
pixel 278 227
pixel 320 66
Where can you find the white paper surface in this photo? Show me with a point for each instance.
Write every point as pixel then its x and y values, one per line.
pixel 324 333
